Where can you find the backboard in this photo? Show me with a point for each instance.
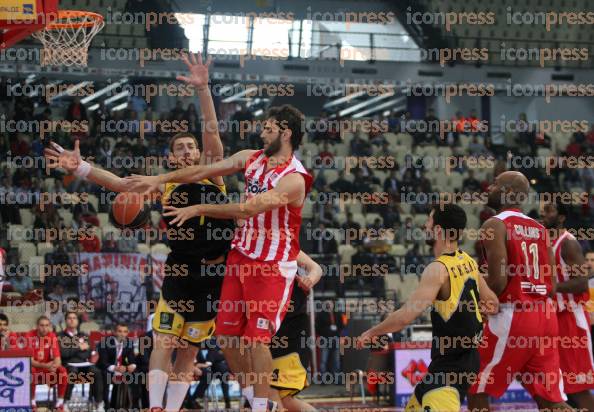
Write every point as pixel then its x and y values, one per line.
pixel 20 18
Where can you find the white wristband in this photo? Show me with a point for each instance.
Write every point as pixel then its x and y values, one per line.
pixel 83 169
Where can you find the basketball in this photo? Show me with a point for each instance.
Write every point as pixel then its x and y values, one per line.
pixel 129 210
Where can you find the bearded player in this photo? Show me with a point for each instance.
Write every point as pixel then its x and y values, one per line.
pixel 262 265
pixel 184 316
pixel 518 341
pixel 571 272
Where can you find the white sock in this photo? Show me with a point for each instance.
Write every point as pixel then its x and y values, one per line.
pixel 248 392
pixel 260 404
pixel 60 402
pixel 176 393
pixel 157 382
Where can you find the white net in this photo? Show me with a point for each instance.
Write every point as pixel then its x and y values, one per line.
pixel 66 41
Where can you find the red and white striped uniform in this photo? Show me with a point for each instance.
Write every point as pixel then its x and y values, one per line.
pixel 566 300
pixel 272 235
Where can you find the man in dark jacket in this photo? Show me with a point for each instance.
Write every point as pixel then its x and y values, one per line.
pixel 75 348
pixel 116 360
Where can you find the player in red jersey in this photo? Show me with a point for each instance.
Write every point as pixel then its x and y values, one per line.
pixel 518 342
pixel 262 265
pixel 575 356
pixel 46 364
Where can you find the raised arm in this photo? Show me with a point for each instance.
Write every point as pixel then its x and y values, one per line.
pixel 212 147
pixel 72 162
pixel 190 174
pixel 289 190
pixel 432 279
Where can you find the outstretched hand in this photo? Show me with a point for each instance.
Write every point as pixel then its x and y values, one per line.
pixel 57 157
pixel 180 215
pixel 198 71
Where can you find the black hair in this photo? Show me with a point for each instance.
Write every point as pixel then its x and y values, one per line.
pixel 451 218
pixel 562 209
pixel 4 318
pixel 289 117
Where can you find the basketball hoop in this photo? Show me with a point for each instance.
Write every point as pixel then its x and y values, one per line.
pixel 66 40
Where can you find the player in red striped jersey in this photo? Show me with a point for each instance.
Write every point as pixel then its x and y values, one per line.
pixel 577 363
pixel 518 342
pixel 262 265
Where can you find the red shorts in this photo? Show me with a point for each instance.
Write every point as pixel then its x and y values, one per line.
pixel 41 376
pixel 518 345
pixel 255 297
pixel 575 350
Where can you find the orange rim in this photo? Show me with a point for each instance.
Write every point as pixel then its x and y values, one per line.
pixel 92 19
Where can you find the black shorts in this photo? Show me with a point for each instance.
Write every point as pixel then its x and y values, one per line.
pixel 446 383
pixel 189 295
pixel 291 356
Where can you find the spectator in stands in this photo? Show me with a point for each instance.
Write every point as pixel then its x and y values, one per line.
pixel 101 116
pixel 46 363
pixel 241 120
pixel 178 111
pixel 324 241
pixel 360 147
pixel 325 158
pixel 390 214
pixel 23 105
pixel 360 184
pixel 341 185
pixel 407 182
pixel 116 358
pixel 91 242
pixel 21 282
pixel 471 184
pixel 109 243
pixel 329 325
pixel 210 364
pixel 104 154
pixel 20 147
pixel 376 226
pixel 8 339
pixel 391 185
pixel 320 183
pixel 9 212
pixel 351 228
pixel 191 116
pixel 127 243
pixel 75 348
pixel 76 111
pixel 476 148
pixel 412 259
pixel 432 125
pixel 573 148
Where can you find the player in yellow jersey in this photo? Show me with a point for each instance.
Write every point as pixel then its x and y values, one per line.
pixel 452 286
pixel 194 268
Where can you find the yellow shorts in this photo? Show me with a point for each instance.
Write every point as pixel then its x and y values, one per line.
pixel 168 321
pixel 289 376
pixel 442 399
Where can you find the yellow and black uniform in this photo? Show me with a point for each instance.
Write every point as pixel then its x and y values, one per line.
pixel 290 351
pixel 195 267
pixel 457 329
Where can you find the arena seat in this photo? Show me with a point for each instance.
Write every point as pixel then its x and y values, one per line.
pixel 346 253
pixel 160 248
pixel 66 215
pixel 103 219
pixel 35 263
pixel 26 251
pixel 15 234
pixel 27 217
pixel 143 248
pixel 93 200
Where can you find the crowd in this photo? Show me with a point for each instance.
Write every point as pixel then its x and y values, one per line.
pixel 114 367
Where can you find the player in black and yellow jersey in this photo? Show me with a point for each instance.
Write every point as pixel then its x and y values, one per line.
pixel 194 269
pixel 452 286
